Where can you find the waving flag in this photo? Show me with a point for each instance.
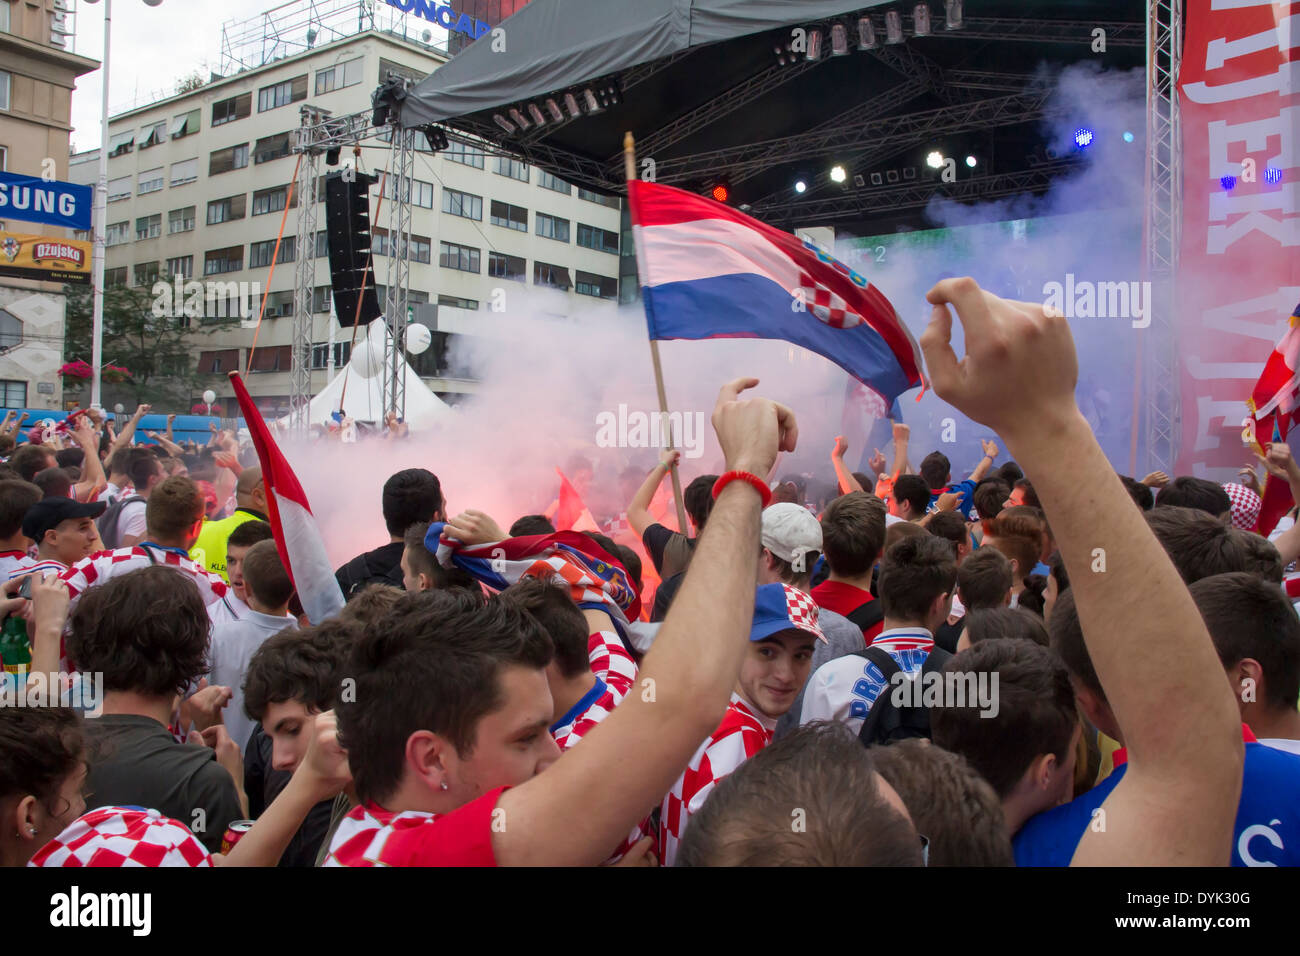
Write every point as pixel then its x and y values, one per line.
pixel 709 271
pixel 1274 407
pixel 572 514
pixel 297 536
pixel 594 578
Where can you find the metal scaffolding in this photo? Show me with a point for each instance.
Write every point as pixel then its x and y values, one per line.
pixel 401 169
pixel 305 274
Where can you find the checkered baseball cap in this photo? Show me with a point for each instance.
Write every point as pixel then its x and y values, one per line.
pixel 780 607
pixel 1245 505
pixel 123 836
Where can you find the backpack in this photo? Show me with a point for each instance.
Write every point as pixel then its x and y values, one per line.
pixel 885 722
pixel 866 616
pixel 108 522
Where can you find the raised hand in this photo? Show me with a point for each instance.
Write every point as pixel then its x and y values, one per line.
pixel 877 462
pixel 752 431
pixel 990 448
pixel 1157 479
pixel 474 527
pixel 841 447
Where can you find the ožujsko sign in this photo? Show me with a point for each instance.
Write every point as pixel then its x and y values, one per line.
pixel 443 15
pixel 44 257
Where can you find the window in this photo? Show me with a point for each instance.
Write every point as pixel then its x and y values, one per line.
pixel 378 241
pixel 282 94
pixel 271 147
pixel 322 244
pixel 218 261
pixel 235 108
pixel 182 266
pixel 259 253
pixel 270 200
pixel 512 217
pixel 226 210
pixel 186 171
pixel 512 168
pixel 180 220
pixel 602 240
pixel 338 76
pixel 278 305
pixel 552 227
pixel 4 89
pixel 288 249
pixel 151 180
pixel 320 352
pixel 216 362
pixel 464 154
pixel 11 330
pixel 423 195
pixel 549 181
pixel 557 277
pixel 121 143
pixel 320 299
pixel 146 273
pixel 462 204
pixel 587 194
pixel 602 287
pixel 14 394
pixel 421 251
pixel 4 158
pixel 501 266
pixel 453 302
pixel 148 227
pixel 453 256
pixel 117 233
pixel 115 277
pixel 224 160
pixel 119 188
pixel 153 135
pixel 4 17
pixel 185 125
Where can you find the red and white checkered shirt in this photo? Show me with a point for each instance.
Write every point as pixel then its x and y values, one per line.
pixel 611 662
pixel 372 836
pixel 741 734
pixel 114 836
pixel 105 565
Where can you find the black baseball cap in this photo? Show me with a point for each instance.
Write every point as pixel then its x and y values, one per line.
pixel 51 512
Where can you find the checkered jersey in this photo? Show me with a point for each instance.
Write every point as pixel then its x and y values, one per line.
pixel 106 565
pixel 611 662
pixel 37 566
pixel 740 735
pixel 372 836
pixel 115 836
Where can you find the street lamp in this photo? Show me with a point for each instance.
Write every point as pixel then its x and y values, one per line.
pixel 101 212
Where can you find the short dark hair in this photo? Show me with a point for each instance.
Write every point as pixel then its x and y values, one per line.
pixel 1012 623
pixel 1198 543
pixel 1036 712
pixel 1262 556
pixel 54 482
pixel 141 465
pixel 29 459
pixel 306 665
pixel 950 526
pixel 1029 496
pixel 984 579
pixel 914 490
pixel 16 497
pixel 936 469
pixel 1009 472
pixel 1201 493
pixel 821 768
pixel 174 506
pixel 411 496
pixel 949 802
pixel 7 445
pixel 249 533
pixel 697 499
pixel 989 497
pixel 40 747
pixel 913 573
pixel 419 557
pixel 265 575
pixel 1247 617
pixel 853 533
pixel 1066 633
pixel 433 663
pixel 553 608
pixel 899 530
pixel 1140 493
pixel 145 631
pixel 531 525
pixel 118 461
pixel 70 457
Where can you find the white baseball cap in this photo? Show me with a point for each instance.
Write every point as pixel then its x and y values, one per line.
pixel 790 531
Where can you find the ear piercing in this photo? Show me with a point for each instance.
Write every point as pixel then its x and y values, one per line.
pixel 441 786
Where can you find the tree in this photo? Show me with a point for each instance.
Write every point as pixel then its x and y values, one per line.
pixel 188 84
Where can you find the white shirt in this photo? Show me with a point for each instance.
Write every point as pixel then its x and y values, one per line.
pixel 1281 743
pixel 892 519
pixel 131 520
pixel 845 688
pixel 11 561
pixel 233 645
pixel 228 610
pixel 109 493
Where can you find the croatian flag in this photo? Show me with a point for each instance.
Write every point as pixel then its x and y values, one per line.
pixel 1275 406
pixel 573 560
pixel 709 271
pixel 297 536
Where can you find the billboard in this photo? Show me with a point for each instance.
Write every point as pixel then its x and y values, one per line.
pixel 47 201
pixel 44 257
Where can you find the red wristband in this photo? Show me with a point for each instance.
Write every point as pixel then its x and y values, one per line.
pixel 758 483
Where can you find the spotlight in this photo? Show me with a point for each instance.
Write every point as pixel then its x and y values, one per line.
pixel 866 34
pixel 519 119
pixel 814 45
pixel 1228 182
pixel 909 172
pixel 571 104
pixel 921 19
pixel 553 108
pixel 877 179
pixel 1128 137
pixel 437 139
pixel 953 15
pixel 970 161
pixel 891 176
pixel 535 112
pixel 589 98
pixel 839 40
pixel 800 186
pixel 1083 137
pixel 1272 175
pixel 859 181
pixel 838 174
pixel 893 27
pixel 332 156
pixel 613 95
pixel 934 160
pixel 720 192
pixel 504 123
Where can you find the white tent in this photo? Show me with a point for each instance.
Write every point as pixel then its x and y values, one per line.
pixel 364 400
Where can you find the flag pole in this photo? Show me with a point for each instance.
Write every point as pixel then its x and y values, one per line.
pixel 666 425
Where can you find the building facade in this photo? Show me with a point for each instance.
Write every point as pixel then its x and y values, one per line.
pixel 199 188
pixel 37 75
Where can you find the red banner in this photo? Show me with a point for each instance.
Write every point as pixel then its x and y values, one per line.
pixel 1239 270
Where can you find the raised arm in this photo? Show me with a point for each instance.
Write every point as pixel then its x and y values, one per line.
pixel 638 510
pixel 587 801
pixel 902 434
pixel 1152 653
pixel 124 437
pixel 93 478
pixel 847 481
pixel 982 469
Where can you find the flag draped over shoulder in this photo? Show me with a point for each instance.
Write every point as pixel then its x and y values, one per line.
pixel 594 578
pixel 1274 405
pixel 297 536
pixel 710 271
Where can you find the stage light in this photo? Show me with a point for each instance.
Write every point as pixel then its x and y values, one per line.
pixel 553 108
pixel 436 139
pixel 839 40
pixel 877 179
pixel 535 112
pixel 891 176
pixel 934 160
pixel 571 104
pixel 1228 182
pixel 1128 137
pixel 921 19
pixel 893 27
pixel 838 174
pixel 332 156
pixel 953 15
pixel 814 45
pixel 970 161
pixel 1083 137
pixel 866 34
pixel 720 192
pixel 519 118
pixel 1272 175
pixel 909 172
pixel 859 181
pixel 589 97
pixel 780 54
pixel 800 186
pixel 504 123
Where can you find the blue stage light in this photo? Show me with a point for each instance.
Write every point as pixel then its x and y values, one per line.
pixel 1228 182
pixel 1272 175
pixel 1083 137
pixel 1128 137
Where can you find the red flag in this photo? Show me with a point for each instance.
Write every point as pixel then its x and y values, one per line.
pixel 1274 407
pixel 297 537
pixel 572 514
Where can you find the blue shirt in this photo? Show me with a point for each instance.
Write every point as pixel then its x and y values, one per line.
pixel 967 502
pixel 1266 832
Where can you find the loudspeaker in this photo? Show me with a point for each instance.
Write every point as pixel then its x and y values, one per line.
pixel 347 224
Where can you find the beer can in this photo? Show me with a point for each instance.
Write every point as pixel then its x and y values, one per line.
pixel 234 833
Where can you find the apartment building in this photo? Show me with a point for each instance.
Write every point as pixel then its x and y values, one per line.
pixel 199 184
pixel 37 75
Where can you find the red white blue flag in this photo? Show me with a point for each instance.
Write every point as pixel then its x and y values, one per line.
pixel 709 271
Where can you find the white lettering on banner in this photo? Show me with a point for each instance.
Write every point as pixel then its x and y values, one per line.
pixel 1285 126
pixel 1228 318
pixel 1245 371
pixel 1207 410
pixel 1284 231
pixel 1285 81
pixel 1220 51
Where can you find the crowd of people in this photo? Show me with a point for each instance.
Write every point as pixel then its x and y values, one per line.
pixel 1040 663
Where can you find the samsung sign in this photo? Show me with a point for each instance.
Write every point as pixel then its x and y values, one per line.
pixel 54 203
pixel 443 15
